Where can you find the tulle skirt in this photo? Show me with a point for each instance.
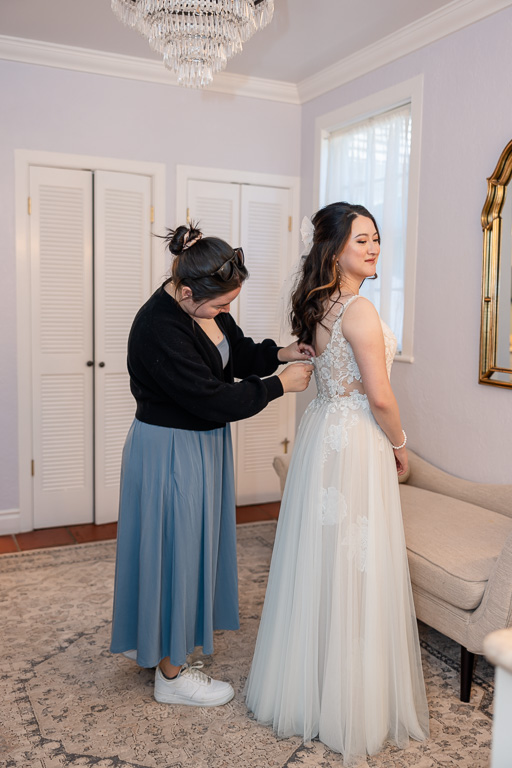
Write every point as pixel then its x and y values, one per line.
pixel 176 571
pixel 337 654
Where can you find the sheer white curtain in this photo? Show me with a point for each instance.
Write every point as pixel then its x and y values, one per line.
pixel 368 163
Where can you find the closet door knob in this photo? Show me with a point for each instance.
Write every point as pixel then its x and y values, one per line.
pixel 101 365
pixel 89 363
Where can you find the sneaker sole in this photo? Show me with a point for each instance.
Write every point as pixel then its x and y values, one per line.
pixel 184 701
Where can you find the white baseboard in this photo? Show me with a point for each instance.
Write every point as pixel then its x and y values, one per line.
pixel 11 522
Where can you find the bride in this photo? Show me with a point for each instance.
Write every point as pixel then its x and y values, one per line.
pixel 337 654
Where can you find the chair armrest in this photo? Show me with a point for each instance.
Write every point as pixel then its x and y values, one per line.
pixel 495 610
pixel 496 497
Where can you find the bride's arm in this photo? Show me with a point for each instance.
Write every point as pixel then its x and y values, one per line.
pixel 363 331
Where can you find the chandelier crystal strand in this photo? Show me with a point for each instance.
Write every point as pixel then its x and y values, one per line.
pixel 127 11
pixel 264 12
pixel 195 37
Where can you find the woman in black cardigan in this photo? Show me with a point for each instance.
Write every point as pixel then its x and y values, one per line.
pixel 176 574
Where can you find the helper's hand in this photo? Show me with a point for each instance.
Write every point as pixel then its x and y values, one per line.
pixel 295 352
pixel 296 377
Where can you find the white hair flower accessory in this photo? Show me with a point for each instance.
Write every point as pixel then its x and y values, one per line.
pixel 307 232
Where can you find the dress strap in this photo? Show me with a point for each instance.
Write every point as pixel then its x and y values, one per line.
pixel 339 319
pixel 345 305
pixel 356 296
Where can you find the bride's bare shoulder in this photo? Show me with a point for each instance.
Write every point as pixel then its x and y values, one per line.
pixel 361 317
pixel 361 308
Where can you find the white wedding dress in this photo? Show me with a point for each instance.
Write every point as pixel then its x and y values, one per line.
pixel 337 654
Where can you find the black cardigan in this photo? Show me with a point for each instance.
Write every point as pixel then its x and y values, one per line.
pixel 176 373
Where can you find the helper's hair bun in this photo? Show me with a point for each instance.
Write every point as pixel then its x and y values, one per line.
pixel 182 238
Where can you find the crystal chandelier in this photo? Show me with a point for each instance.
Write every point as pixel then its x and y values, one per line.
pixel 195 37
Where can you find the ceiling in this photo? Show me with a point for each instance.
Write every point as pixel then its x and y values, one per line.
pixel 305 36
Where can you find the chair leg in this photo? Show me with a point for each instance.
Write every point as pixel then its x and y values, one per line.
pixel 467 664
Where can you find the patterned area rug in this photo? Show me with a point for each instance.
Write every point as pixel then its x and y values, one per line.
pixel 66 701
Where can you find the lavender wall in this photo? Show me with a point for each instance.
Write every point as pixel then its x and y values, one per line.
pixel 76 113
pixel 467 120
pixel 451 420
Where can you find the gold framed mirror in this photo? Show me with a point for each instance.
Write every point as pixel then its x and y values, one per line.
pixel 496 324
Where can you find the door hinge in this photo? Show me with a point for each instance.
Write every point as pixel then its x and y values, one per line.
pixel 285 442
pixel 29 206
pixel 289 223
pixel 152 215
pixel 32 468
pixel 188 216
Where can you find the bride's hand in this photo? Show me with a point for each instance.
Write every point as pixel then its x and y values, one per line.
pixel 295 351
pixel 402 460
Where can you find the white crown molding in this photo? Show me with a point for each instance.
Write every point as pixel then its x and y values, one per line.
pixel 255 87
pixel 441 23
pixel 134 68
pixel 452 17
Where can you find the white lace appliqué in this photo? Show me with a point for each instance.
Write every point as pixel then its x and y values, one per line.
pixel 334 506
pixel 342 402
pixel 336 437
pixel 356 541
pixel 337 374
pixel 336 369
pixel 390 344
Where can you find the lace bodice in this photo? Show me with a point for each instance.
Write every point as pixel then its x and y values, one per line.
pixel 336 371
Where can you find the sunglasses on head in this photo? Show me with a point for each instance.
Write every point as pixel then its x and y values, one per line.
pixel 225 271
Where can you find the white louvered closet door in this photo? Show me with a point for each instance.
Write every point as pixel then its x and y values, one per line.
pixel 122 283
pixel 256 218
pixel 215 208
pixel 62 342
pixel 266 242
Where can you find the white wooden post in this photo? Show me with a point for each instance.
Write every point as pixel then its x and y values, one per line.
pixel 498 650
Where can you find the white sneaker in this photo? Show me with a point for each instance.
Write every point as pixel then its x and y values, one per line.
pixel 192 688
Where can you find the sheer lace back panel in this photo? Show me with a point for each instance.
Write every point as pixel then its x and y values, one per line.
pixel 336 371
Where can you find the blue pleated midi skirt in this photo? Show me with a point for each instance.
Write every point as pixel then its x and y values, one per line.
pixel 176 572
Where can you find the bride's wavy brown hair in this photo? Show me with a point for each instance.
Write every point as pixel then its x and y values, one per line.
pixel 319 278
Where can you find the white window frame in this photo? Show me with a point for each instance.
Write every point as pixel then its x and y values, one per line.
pixel 407 92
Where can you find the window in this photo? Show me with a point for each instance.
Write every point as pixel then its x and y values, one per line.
pixel 366 158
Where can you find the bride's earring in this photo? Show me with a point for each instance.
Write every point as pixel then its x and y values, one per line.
pixel 339 273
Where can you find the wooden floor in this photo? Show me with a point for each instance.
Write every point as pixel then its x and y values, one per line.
pixel 79 534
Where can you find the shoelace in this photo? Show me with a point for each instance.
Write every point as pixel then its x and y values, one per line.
pixel 194 671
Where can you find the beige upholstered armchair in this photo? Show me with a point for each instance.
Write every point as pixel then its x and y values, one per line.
pixel 459 546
